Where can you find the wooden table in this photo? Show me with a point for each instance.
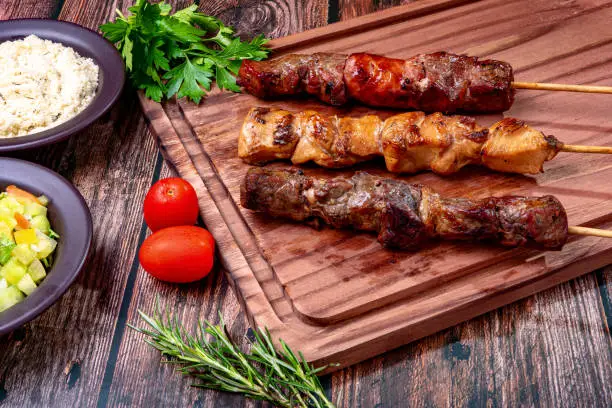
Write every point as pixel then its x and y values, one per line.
pixel 552 349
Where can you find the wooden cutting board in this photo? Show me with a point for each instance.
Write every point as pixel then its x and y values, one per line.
pixel 338 296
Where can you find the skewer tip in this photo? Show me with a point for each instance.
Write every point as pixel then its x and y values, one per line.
pixel 586 149
pixel 594 232
pixel 541 86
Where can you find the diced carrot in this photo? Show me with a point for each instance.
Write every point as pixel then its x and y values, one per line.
pixel 22 221
pixel 16 192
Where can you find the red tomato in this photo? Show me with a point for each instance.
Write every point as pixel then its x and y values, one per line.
pixel 170 202
pixel 178 254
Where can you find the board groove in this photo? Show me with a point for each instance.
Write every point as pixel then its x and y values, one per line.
pixel 241 232
pixel 337 296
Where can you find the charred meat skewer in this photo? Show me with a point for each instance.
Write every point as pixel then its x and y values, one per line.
pixel 410 142
pixel 405 215
pixel 439 82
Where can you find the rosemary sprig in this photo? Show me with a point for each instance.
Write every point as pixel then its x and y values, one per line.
pixel 279 377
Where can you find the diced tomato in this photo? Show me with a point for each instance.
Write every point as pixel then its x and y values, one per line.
pixel 22 221
pixel 18 193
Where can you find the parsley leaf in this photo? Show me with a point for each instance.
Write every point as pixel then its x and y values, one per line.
pixel 6 247
pixel 186 80
pixel 179 54
pixel 226 80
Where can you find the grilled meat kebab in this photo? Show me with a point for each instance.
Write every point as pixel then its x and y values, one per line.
pixel 405 215
pixel 439 82
pixel 410 142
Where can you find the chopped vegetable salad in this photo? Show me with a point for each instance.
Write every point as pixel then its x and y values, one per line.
pixel 27 244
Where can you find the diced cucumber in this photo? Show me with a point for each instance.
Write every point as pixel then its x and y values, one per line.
pixel 43 200
pixel 10 296
pixel 45 245
pixel 40 222
pixel 11 204
pixel 36 270
pixel 33 209
pixel 6 232
pixel 26 284
pixel 13 271
pixel 24 249
pixel 24 254
pixel 8 219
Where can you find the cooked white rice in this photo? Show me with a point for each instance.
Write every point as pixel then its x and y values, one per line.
pixel 42 84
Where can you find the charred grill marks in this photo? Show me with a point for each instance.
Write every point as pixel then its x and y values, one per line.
pixel 405 215
pixel 284 131
pixel 409 142
pixel 441 81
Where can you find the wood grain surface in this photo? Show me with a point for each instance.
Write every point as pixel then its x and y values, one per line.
pixel 337 295
pixel 349 9
pixel 551 349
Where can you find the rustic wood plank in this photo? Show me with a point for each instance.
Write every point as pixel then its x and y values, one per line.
pixel 12 9
pixel 418 374
pixel 604 280
pixel 348 9
pixel 79 328
pixel 324 36
pixel 60 358
pixel 274 18
pixel 549 350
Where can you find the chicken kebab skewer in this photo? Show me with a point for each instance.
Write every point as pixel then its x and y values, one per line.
pixel 438 82
pixel 407 215
pixel 409 142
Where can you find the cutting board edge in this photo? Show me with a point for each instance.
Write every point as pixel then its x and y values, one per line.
pixel 407 333
pixel 401 337
pixel 364 23
pixel 351 352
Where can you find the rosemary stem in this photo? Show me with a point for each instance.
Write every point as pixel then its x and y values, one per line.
pixel 278 377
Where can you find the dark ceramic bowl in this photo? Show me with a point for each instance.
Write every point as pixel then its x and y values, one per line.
pixel 69 217
pixel 88 44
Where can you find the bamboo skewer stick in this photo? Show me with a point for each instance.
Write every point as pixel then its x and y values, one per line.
pixel 586 149
pixel 562 87
pixel 594 232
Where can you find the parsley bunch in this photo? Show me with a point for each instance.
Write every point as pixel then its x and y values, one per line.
pixel 179 54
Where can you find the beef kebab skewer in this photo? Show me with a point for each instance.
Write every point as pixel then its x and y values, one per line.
pixel 409 142
pixel 438 82
pixel 407 215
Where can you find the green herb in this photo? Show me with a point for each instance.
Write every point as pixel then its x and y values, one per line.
pixel 279 377
pixel 48 261
pixel 52 234
pixel 6 247
pixel 179 54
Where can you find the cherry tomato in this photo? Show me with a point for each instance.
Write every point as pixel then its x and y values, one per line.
pixel 178 254
pixel 170 202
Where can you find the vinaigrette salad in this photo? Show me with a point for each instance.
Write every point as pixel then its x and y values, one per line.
pixel 27 243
